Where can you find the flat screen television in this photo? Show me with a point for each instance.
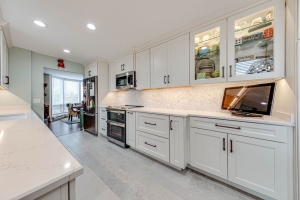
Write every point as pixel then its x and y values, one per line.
pixel 256 99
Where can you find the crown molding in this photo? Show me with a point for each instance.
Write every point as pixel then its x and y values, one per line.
pixel 98 58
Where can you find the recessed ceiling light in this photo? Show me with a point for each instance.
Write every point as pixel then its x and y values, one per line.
pixel 39 23
pixel 67 51
pixel 91 26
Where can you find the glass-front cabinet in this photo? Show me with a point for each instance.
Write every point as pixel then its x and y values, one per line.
pixel 256 48
pixel 208 54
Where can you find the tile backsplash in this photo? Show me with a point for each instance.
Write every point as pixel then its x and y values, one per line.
pixel 202 98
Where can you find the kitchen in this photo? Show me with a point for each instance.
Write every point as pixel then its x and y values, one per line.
pixel 169 120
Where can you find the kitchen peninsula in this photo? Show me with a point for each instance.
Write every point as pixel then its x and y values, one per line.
pixel 34 163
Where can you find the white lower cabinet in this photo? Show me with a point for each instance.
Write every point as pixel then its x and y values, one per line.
pixel 130 129
pixel 259 165
pixel 208 151
pixel 251 161
pixel 161 136
pixel 177 142
pixel 153 145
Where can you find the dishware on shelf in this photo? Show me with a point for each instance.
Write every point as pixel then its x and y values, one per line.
pixel 204 50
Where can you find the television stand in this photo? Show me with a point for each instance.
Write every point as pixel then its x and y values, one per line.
pixel 245 114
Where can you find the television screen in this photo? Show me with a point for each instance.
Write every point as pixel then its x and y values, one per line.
pixel 251 99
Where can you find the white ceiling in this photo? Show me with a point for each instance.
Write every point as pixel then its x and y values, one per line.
pixel 120 24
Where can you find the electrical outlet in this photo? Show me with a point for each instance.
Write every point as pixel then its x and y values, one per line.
pixel 36 101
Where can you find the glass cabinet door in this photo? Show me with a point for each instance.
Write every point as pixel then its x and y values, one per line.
pixel 207 55
pixel 251 45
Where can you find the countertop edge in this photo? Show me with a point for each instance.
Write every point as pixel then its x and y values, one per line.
pixel 187 113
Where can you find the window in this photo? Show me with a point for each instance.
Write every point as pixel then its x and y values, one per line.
pixel 65 91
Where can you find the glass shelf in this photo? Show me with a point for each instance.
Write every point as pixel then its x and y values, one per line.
pixel 204 41
pixel 256 41
pixel 266 23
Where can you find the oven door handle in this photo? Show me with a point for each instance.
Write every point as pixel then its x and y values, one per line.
pixel 116 111
pixel 116 124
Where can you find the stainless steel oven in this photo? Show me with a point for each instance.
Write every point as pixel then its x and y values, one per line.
pixel 116 126
pixel 126 81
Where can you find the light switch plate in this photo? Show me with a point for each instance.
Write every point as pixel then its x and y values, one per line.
pixel 36 101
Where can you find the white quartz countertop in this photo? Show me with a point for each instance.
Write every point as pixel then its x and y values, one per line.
pixel 214 115
pixel 31 157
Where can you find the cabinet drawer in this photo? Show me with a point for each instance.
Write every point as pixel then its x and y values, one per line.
pixel 103 129
pixel 102 111
pixel 155 124
pixel 103 118
pixel 261 131
pixel 153 145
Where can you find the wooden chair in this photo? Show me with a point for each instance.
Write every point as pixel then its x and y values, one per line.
pixel 71 111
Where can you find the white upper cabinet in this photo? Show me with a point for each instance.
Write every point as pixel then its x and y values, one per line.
pixel 208 54
pixel 112 77
pixel 256 43
pixel 159 67
pixel 178 61
pixel 128 63
pixel 119 66
pixel 170 63
pixel 4 78
pixel 91 70
pixel 124 64
pixel 142 65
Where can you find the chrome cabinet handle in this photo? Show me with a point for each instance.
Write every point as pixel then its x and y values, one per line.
pixel 165 79
pixel 130 112
pixel 223 72
pixel 103 129
pixel 89 73
pixel 123 67
pixel 230 67
pixel 102 118
pixel 218 125
pixel 150 144
pixel 150 123
pixel 223 144
pixel 168 78
pixel 171 125
pixel 231 146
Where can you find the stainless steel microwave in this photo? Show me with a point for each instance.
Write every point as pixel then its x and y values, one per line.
pixel 126 81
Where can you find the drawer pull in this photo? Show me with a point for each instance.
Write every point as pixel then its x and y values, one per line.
pixel 218 125
pixel 150 123
pixel 150 144
pixel 231 146
pixel 223 144
pixel 103 129
pixel 171 125
pixel 102 118
pixel 130 112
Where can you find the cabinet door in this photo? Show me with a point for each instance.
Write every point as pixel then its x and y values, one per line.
pixel 94 69
pixel 130 129
pixel 159 66
pixel 86 71
pixel 208 151
pixel 143 69
pixel 208 54
pixel 259 165
pixel 177 141
pixel 128 63
pixel 112 78
pixel 4 62
pixel 256 43
pixel 178 61
pixel 119 66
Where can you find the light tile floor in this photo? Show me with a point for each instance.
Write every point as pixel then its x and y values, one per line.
pixel 111 172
